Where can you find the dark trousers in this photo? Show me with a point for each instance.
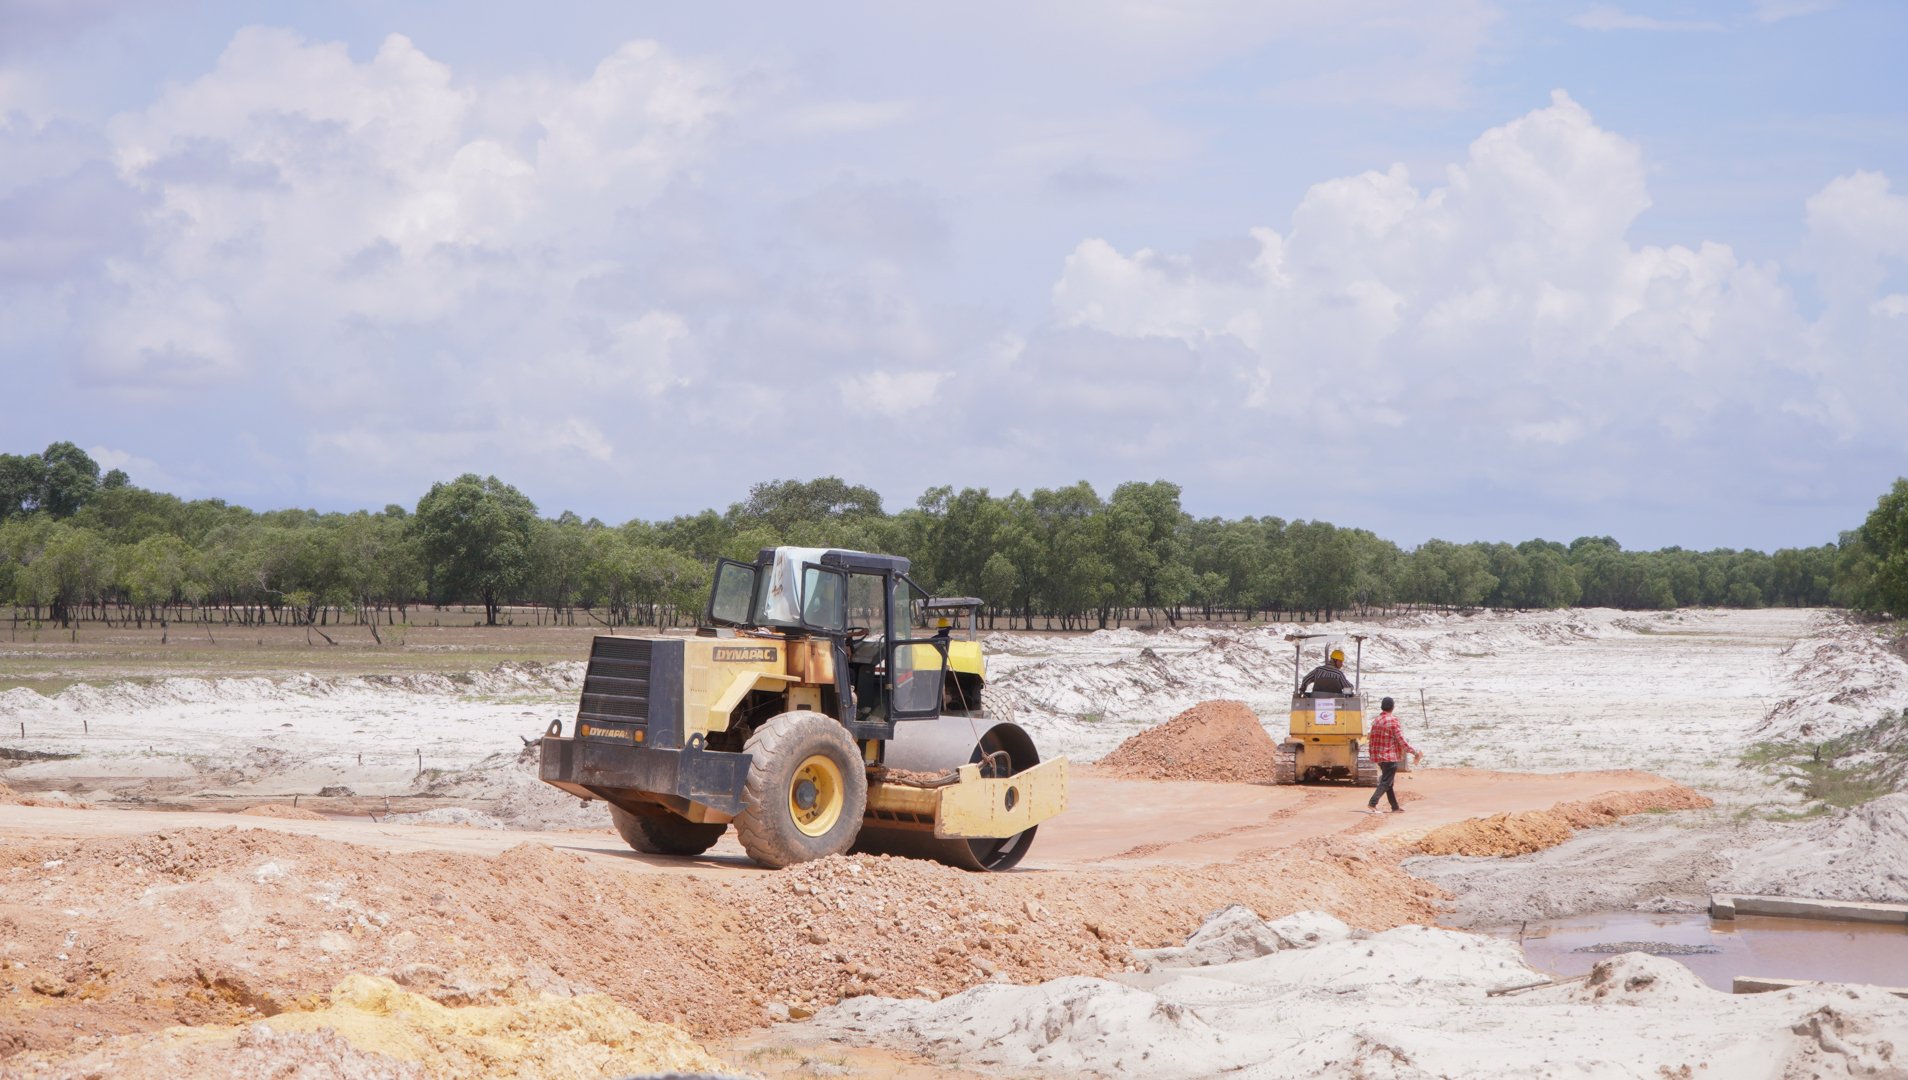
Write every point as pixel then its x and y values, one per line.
pixel 1387 772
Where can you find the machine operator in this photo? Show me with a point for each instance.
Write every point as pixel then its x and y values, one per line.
pixel 1328 677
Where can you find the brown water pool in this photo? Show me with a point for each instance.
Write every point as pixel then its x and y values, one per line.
pixel 1757 945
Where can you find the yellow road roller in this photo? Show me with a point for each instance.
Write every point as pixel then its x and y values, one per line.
pixel 827 704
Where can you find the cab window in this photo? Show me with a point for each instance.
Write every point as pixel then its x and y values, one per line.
pixel 822 599
pixel 864 603
pixel 734 590
pixel 917 665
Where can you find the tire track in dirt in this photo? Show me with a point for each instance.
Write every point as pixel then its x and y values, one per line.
pixel 1311 799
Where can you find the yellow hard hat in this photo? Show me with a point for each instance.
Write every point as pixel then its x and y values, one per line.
pixel 1338 655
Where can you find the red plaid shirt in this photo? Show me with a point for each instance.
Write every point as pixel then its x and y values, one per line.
pixel 1386 742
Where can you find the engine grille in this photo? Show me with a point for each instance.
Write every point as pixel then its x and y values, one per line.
pixel 616 686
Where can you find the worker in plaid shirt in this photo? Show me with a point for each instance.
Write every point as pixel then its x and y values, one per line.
pixel 1387 746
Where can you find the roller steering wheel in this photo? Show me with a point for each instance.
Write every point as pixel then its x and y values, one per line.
pixel 854 635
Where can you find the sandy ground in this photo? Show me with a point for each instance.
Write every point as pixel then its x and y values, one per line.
pixel 1412 1001
pixel 364 932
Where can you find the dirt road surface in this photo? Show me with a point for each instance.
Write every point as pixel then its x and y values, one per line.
pixel 1109 824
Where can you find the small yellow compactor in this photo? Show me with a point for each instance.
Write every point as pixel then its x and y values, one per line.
pixel 828 704
pixel 1327 734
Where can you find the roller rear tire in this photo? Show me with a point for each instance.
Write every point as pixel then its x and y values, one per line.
pixel 806 791
pixel 660 832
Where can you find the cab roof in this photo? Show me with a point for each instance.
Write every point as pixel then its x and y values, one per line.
pixel 845 560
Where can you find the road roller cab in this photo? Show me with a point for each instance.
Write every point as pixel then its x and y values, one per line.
pixel 1325 740
pixel 828 704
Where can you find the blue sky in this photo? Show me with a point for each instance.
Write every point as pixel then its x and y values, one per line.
pixel 1431 267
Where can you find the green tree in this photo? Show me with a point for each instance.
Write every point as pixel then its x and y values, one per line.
pixel 73 569
pixel 22 477
pixel 1146 546
pixel 69 479
pixel 797 507
pixel 1876 577
pixel 154 572
pixel 477 535
pixel 1553 582
pixel 1324 567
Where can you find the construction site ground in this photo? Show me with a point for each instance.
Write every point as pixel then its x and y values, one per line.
pixel 428 909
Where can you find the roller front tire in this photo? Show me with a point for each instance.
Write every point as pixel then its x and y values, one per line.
pixel 806 791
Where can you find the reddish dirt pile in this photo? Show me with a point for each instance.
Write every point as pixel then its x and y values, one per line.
pixel 238 925
pixel 1534 830
pixel 1218 741
pixel 280 810
pixel 7 795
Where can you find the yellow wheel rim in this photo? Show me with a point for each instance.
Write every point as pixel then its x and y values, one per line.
pixel 815 795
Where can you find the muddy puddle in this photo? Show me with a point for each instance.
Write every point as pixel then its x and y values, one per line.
pixel 1717 952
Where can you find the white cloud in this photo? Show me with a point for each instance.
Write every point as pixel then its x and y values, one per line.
pixel 142 471
pixel 1893 307
pixel 1857 225
pixel 323 203
pixel 1506 302
pixel 19 93
pixel 579 435
pixel 1610 17
pixel 888 393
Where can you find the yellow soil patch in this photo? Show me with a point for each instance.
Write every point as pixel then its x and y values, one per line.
pixel 585 1036
pixel 1526 831
pixel 373 1027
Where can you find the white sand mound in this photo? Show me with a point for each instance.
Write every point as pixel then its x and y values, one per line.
pixel 1841 677
pixel 1859 854
pixel 1234 933
pixel 1409 1002
pixel 1640 980
pixel 20 699
pixel 1069 1025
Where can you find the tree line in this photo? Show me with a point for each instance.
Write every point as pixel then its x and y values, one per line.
pixel 78 545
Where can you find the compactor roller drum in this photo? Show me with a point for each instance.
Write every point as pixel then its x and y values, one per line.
pixel 932 746
pixel 806 791
pixel 659 832
pixel 1367 771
